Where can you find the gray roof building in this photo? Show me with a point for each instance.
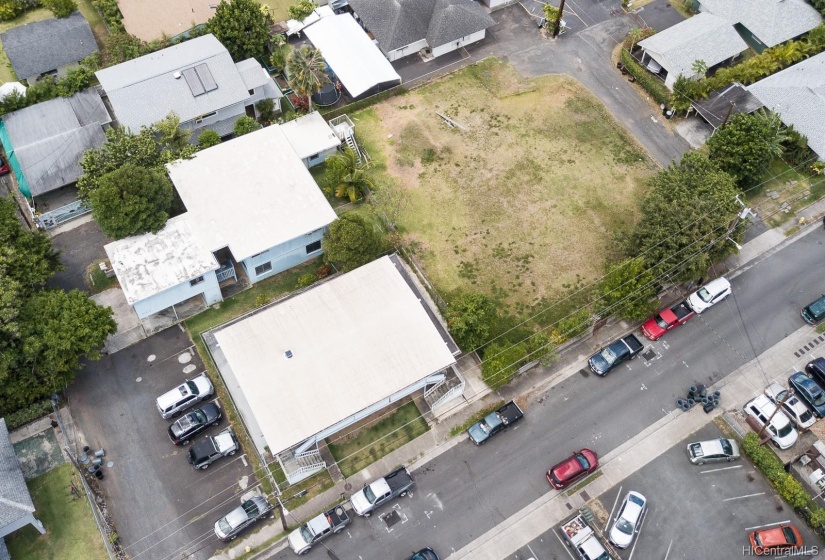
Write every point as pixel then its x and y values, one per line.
pixel 45 142
pixel 726 102
pixel 771 22
pixel 396 23
pixel 16 507
pixel 797 95
pixel 191 79
pixel 44 46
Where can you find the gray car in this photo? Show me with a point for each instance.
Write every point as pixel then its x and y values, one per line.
pixel 713 451
pixel 230 525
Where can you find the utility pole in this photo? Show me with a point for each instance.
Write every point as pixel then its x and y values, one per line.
pixel 788 394
pixel 558 20
pixel 727 115
pixel 282 513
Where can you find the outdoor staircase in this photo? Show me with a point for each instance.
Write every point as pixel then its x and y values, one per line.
pixel 449 388
pixel 350 140
pixel 345 131
pixel 298 466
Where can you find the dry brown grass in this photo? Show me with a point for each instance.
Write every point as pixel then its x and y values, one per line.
pixel 521 200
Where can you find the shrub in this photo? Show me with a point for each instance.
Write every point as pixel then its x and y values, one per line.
pixel 470 319
pixel 572 326
pixel 60 8
pixel 111 14
pixel 11 9
pixel 208 138
pixel 774 469
pixel 648 81
pixel 636 35
pixel 245 125
pixel 25 415
pixel 306 280
pixel 502 361
pixel 323 271
pixel 262 300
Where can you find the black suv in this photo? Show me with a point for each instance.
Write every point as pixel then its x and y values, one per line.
pixel 187 427
pixel 816 369
pixel 211 448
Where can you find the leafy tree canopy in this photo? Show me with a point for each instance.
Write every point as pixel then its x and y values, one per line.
pixel 245 125
pixel 301 10
pixel 242 26
pixel 628 290
pixel 60 8
pixel 208 138
pixel 306 71
pixel 347 177
pixel 26 258
pixel 132 200
pixel 685 220
pixel 746 145
pixel 352 241
pixel 470 318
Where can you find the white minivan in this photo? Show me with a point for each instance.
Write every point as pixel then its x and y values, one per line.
pixel 709 295
pixel 780 429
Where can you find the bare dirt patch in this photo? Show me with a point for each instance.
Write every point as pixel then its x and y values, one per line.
pixel 520 199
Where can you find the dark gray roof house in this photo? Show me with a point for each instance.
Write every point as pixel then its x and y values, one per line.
pixel 16 507
pixel 404 27
pixel 723 103
pixel 49 45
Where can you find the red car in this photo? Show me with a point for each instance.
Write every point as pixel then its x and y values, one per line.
pixel 770 541
pixel 4 166
pixel 667 319
pixel 578 465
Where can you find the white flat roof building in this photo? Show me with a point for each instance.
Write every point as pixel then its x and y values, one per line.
pixel 355 341
pixel 310 135
pixel 250 194
pixel 153 262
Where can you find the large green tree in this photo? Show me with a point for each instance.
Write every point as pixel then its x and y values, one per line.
pixel 301 9
pixel 306 71
pixel 242 26
pixel 352 241
pixel 628 290
pixel 470 318
pixel 746 145
pixel 686 219
pixel 132 200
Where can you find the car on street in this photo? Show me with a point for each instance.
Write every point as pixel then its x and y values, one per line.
pixel 628 520
pixel 773 540
pixel 796 410
pixel 193 423
pixel 667 319
pixel 575 467
pixel 211 448
pixel 709 295
pixel 230 525
pixel 615 353
pixel 713 451
pixel 814 312
pixel 193 391
pixel 495 422
pixel 780 429
pixel 4 166
pixel 424 554
pixel 809 391
pixel 816 369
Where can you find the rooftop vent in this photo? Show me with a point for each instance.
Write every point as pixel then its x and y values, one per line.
pixel 177 75
pixel 288 354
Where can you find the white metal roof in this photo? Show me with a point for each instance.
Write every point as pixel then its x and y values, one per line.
pixel 250 194
pixel 147 264
pixel 309 135
pixel 355 340
pixel 354 58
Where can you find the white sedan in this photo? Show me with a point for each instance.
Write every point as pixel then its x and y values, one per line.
pixel 796 410
pixel 628 520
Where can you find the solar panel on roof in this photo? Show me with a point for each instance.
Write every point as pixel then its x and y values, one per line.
pixel 193 81
pixel 205 75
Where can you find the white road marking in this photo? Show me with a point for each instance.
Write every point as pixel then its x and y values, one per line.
pixel 721 469
pixel 566 548
pixel 668 549
pixel 743 497
pixel 615 502
pixel 768 525
pixel 536 556
pixel 687 366
pixel 643 387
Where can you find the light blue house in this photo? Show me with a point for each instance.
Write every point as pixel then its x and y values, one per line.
pixel 253 210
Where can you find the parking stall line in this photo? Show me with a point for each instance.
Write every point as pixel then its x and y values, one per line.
pixel 566 549
pixel 609 517
pixel 721 469
pixel 743 497
pixel 668 549
pixel 767 525
pixel 533 554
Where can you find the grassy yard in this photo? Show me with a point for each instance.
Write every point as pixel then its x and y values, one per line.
pixel 278 8
pixel 521 199
pixel 6 72
pixel 95 21
pixel 788 189
pixel 71 533
pixel 355 452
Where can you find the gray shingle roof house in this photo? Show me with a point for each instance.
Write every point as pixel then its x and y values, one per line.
pixel 196 79
pixel 797 94
pixel 45 142
pixel 703 37
pixel 765 23
pixel 48 45
pixel 726 102
pixel 16 507
pixel 404 27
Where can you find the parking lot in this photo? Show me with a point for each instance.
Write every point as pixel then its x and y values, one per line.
pixel 161 507
pixel 693 511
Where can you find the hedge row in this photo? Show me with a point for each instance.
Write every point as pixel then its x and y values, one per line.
pixel 357 105
pixel 650 83
pixel 26 415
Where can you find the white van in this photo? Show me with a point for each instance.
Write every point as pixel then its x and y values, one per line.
pixel 709 295
pixel 182 397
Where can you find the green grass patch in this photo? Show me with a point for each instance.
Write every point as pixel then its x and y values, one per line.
pixel 292 495
pixel 583 483
pixel 278 8
pixel 475 418
pixel 354 453
pixel 96 279
pixel 71 532
pixel 89 12
pixel 783 184
pixel 39 14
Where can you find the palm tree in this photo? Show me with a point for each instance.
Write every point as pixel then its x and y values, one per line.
pixel 349 178
pixel 306 71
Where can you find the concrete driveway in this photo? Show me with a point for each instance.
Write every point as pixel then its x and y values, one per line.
pixel 161 507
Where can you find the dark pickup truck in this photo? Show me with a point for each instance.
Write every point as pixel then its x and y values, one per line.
pixel 614 354
pixel 380 491
pixel 667 319
pixel 495 422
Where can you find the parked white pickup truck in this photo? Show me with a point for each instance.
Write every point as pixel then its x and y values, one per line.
pixel 583 539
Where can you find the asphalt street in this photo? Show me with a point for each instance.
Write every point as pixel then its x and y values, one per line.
pixel 468 490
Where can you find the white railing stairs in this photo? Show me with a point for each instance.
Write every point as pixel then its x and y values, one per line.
pixel 449 388
pixel 298 466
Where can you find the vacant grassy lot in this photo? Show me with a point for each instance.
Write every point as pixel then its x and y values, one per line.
pixel 71 533
pixel 785 188
pixel 521 198
pixel 356 452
